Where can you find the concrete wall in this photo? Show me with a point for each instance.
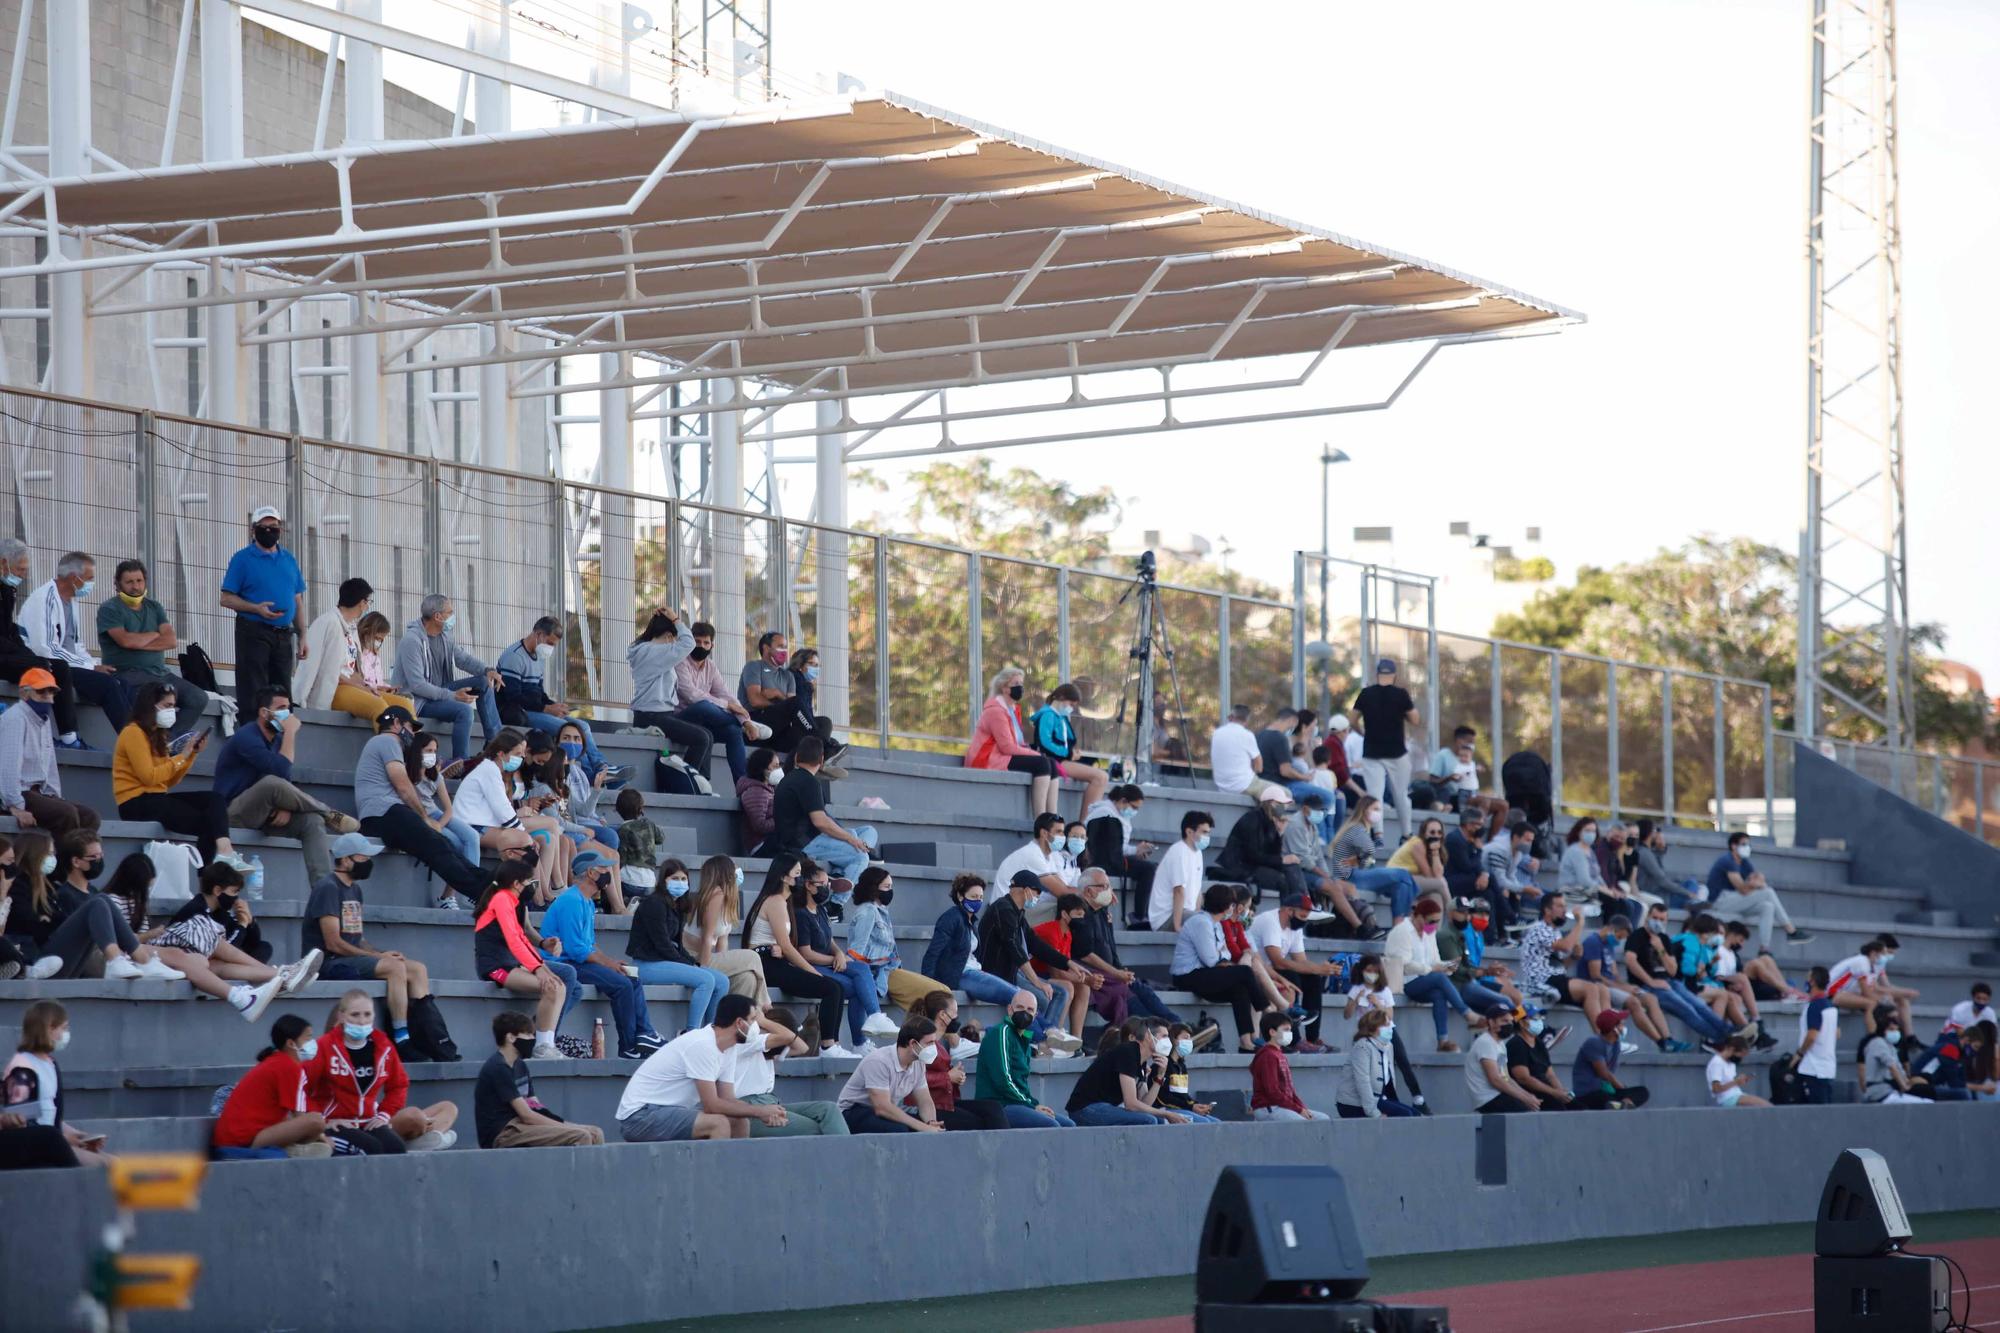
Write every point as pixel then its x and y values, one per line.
pixel 1892 841
pixel 579 1238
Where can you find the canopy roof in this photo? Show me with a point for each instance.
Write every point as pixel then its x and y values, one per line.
pixel 890 244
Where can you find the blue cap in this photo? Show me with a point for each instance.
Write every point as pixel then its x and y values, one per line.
pixel 587 860
pixel 1385 666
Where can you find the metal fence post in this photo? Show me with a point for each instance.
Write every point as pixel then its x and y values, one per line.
pixel 1299 629
pixel 1667 743
pixel 882 636
pixel 670 556
pixel 1556 730
pixel 1979 798
pixel 1721 755
pixel 1938 785
pixel 295 512
pixel 1493 690
pixel 785 613
pixel 147 478
pixel 559 581
pixel 433 525
pixel 1222 683
pixel 975 650
pixel 1367 626
pixel 1770 773
pixel 1062 622
pixel 1611 730
pixel 1431 690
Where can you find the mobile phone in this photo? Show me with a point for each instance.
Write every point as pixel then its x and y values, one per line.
pixel 182 742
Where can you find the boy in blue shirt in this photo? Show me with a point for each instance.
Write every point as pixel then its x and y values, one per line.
pixel 572 919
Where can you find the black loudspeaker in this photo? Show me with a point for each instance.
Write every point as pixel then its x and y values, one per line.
pixel 1279 1234
pixel 1894 1293
pixel 1860 1213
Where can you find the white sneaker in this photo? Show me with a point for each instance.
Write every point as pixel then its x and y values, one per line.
pixel 1060 1040
pixel 756 731
pixel 879 1025
pixel 1592 910
pixel 1054 1052
pixel 548 1050
pixel 302 973
pixel 122 968
pixel 46 967
pixel 159 971
pixel 965 1050
pixel 252 1008
pixel 1627 1047
pixel 435 1140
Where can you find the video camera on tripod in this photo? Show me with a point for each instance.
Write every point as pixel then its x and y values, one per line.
pixel 1152 628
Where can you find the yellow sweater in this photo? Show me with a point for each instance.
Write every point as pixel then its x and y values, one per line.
pixel 136 770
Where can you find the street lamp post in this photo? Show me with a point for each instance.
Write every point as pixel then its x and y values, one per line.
pixel 1327 458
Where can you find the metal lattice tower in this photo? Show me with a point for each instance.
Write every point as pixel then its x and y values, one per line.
pixel 1854 652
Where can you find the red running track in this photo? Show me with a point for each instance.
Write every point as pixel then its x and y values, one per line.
pixel 1770 1295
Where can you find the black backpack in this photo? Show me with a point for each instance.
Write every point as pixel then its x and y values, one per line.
pixel 1785 1089
pixel 197 670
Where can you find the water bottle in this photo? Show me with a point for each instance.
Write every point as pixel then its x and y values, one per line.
pixel 597 1039
pixel 253 880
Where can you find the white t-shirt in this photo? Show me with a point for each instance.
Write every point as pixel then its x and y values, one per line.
pixel 1267 930
pixel 1721 1070
pixel 1725 961
pixel 1180 869
pixel 1365 999
pixel 1485 1046
pixel 1353 742
pixel 1964 1014
pixel 750 1074
pixel 1820 1061
pixel 1850 971
pixel 1030 857
pixel 1230 751
pixel 666 1078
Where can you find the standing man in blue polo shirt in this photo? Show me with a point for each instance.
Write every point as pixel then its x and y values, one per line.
pixel 265 589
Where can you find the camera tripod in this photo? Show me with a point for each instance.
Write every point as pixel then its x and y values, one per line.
pixel 1151 630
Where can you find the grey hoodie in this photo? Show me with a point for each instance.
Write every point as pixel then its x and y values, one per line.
pixel 653 662
pixel 424 663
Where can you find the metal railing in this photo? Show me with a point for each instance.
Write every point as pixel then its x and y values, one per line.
pixel 1960 789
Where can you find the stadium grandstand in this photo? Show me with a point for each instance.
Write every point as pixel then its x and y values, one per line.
pixel 615 790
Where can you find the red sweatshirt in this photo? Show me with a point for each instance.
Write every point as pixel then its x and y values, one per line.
pixel 334 1092
pixel 1271 1080
pixel 260 1100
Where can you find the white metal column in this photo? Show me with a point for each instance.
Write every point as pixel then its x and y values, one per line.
pixel 493 113
pixel 830 574
pixel 222 141
pixel 725 547
pixel 365 408
pixel 69 155
pixel 617 565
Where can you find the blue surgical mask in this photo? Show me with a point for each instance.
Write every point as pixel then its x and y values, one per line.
pixel 1316 815
pixel 1033 898
pixel 85 589
pixel 739 877
pixel 677 885
pixel 1535 1026
pixel 48 865
pixel 1388 1032
pixel 574 749
pixel 451 622
pixel 356 1033
pixel 278 716
pixel 1201 843
pixel 11 580
pixel 1887 959
pixel 1587 837
pixel 510 764
pixel 812 673
pixel 1183 1048
pixel 972 906
pixel 1075 845
pixel 308 1048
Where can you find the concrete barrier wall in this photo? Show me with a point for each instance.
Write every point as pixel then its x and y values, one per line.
pixel 579 1238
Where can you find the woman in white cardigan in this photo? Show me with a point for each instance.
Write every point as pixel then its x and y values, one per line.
pixel 492 799
pixel 330 676
pixel 1364 1077
pixel 1410 954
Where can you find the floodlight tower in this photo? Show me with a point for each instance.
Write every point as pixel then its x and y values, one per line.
pixel 1854 616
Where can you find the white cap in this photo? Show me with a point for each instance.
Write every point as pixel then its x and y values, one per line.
pixel 262 512
pixel 1338 722
pixel 1275 795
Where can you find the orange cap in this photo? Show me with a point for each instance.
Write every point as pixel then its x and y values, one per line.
pixel 34 678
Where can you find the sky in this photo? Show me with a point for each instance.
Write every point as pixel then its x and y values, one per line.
pixel 1643 161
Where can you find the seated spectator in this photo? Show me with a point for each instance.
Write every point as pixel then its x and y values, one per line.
pixel 31 1082
pixel 1272 1096
pixel 1351 856
pixel 222 900
pixel 1053 732
pixel 1880 988
pixel 756 799
pixel 420 765
pixel 429 661
pixel 331 676
pixel 804 828
pixel 524 698
pixel 1737 892
pixel 1370 991
pixel 1005 1054
pixel 1422 857
pixel 1465 855
pixel 1461 946
pixel 1653 882
pixel 1545 954
pixel 30 781
pixel 711 918
pixel 55 927
pixel 1364 1078
pixel 393 812
pixel 706 700
pixel 773 1036
pixel 1618 858
pixel 1976 1045
pixel 1492 1089
pixel 505 1111
pixel 357 1083
pixel 1596 1067
pixel 1959 1067
pixel 1235 757
pixel 1414 967
pixel 1331 773
pixel 195 944
pixel 1176 1090
pixel 1255 850
pixel 1978 1009
pixel 686 1089
pixel 1114 1090
pixel 1201 964
pixel 662 646
pixel 144 773
pixel 638 845
pixel 496 803
pixel 130 890
pixel 1280 939
pixel 1277 766
pixel 999 742
pixel 1879 1067
pixel 1451 778
pixel 769 692
pixel 1336 914
pixel 1094 947
pixel 16 660
pixel 546 783
pixel 804 666
pixel 1529 1066
pixel 1580 876
pixel 582 785
pixel 1650 967
pixel 1108 834
pixel 1070 851
pixel 1277 992
pixel 1758 981
pixel 871 942
pixel 1005 948
pixel 1177 882
pixel 945 1076
pixel 1601 963
pixel 1511 866
pixel 506 954
pixel 269 1108
pixel 949 959
pixel 48 619
pixel 253 777
pixel 1057 935
pixel 872 1099
pixel 1040 856
pixel 372 631
pixel 1725 1085
pixel 1694 949
pixel 657 946
pixel 768 932
pixel 572 919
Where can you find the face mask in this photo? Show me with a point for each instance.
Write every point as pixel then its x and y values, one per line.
pixel 134 602
pixel 1201 843
pixel 361 870
pixel 451 622
pixel 41 708
pixel 822 892
pixel 1161 1046
pixel 1587 837
pixel 812 673
pixel 778 656
pixel 1285 1037
pixel 1479 922
pixel 91 869
pixel 11 580
pixel 267 537
pixel 1034 899
pixel 739 877
pixel 574 749
pixel 1022 1021
pixel 1715 941
pixel 1535 1026
pixel 1429 927
pixel 357 1033
pixel 87 587
pixel 1184 1048
pixel 1894 1035
pixel 754 1031
pixel 1370 981
pixel 1374 819
pixel 1739 850
pixel 698 655
pixel 308 1048
pixel 1658 926
pixel 776 775
pixel 1315 816
pixel 1887 958
pixel 165 716
pixel 510 764
pixel 278 716
pixel 927 1053
pixel 430 759
pixel 544 652
pixel 524 1046
pixel 48 865
pixel 1388 1032
pixel 1075 845
pixel 1015 691
pixel 677 886
pixel 62 1038
pixel 886 897
pixel 972 906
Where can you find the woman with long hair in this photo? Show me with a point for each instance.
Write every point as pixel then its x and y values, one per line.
pixel 1114 1089
pixel 144 775
pixel 658 946
pixel 1351 855
pixel 492 798
pixel 767 932
pixel 552 776
pixel 1000 742
pixel 1422 855
pixel 359 1085
pixel 506 953
pixel 31 1084
pixel 56 926
pixel 421 762
pixel 711 917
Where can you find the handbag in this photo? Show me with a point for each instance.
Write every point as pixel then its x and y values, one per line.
pixel 175 866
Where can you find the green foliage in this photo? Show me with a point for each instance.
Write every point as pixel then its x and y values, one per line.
pixel 1535 569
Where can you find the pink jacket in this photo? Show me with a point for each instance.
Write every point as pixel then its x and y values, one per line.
pixel 997 738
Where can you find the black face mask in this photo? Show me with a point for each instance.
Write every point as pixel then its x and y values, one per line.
pixel 884 897
pixel 1022 1020
pixel 698 655
pixel 822 892
pixel 91 869
pixel 267 538
pixel 1015 691
pixel 524 1046
pixel 360 870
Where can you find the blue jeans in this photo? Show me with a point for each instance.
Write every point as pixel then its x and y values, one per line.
pixel 1400 885
pixel 460 714
pixel 706 987
pixel 1676 999
pixel 628 1001
pixel 1027 1117
pixel 464 837
pixel 1046 1012
pixel 1307 793
pixel 724 726
pixel 1195 1117
pixel 1436 990
pixel 841 860
pixel 1481 997
pixel 1147 1003
pixel 552 724
pixel 859 983
pixel 1103 1115
pixel 572 992
pixel 985 986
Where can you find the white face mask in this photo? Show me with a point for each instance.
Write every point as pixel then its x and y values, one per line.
pixel 1893 1034
pixel 308 1048
pixel 777 775
pixel 1387 1033
pixel 1285 1037
pixel 430 758
pixel 62 1038
pixel 927 1052
pixel 165 716
pixel 545 652
pixel 1375 817
pixel 1161 1046
pixel 756 1030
